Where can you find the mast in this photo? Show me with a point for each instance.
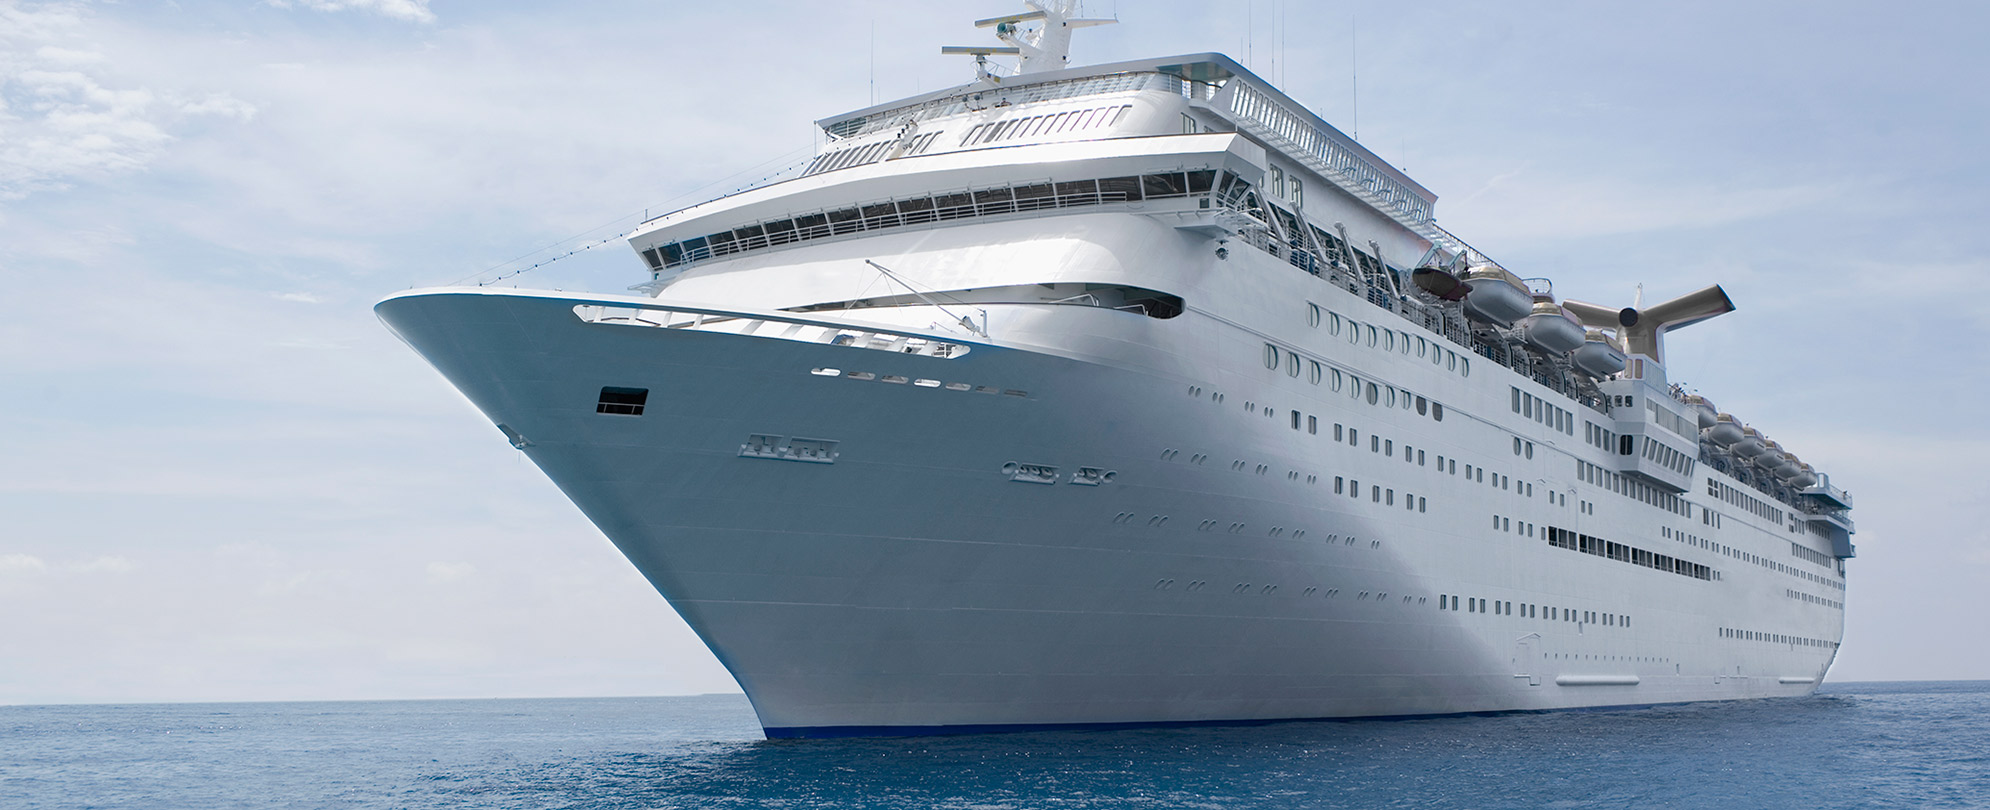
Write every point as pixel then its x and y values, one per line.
pixel 1042 46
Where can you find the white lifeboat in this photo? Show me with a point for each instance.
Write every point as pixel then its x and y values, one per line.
pixel 1805 478
pixel 1772 458
pixel 1550 329
pixel 1703 410
pixel 1597 357
pixel 1751 444
pixel 1725 431
pixel 1790 468
pixel 1496 297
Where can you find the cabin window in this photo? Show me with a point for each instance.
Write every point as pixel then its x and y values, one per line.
pixel 1120 189
pixel 1078 192
pixel 1162 186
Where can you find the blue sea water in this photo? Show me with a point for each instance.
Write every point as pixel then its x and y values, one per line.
pixel 1872 745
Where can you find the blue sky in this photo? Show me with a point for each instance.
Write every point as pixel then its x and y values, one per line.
pixel 223 480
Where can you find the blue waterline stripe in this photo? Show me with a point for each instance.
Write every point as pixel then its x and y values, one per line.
pixel 835 732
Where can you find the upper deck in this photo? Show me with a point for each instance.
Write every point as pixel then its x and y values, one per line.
pixel 1105 105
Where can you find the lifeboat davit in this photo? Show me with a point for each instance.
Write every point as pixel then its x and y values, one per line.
pixel 1596 357
pixel 1550 329
pixel 1725 431
pixel 1751 444
pixel 1496 296
pixel 1805 478
pixel 1703 410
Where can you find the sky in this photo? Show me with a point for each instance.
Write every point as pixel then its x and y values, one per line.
pixel 223 480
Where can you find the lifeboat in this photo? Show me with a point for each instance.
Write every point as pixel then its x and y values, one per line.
pixel 1805 478
pixel 1596 357
pixel 1790 468
pixel 1438 282
pixel 1496 297
pixel 1725 430
pixel 1550 329
pixel 1703 410
pixel 1750 445
pixel 1772 459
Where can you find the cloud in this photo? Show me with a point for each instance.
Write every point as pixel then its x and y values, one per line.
pixel 63 117
pixel 21 562
pixel 449 572
pixel 410 10
pixel 107 563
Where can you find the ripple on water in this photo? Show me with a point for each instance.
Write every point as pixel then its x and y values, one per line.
pixel 1854 746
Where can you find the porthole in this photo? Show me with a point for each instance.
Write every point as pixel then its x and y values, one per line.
pixel 1465 367
pixel 1392 396
pixel 1422 406
pixel 1270 356
pixel 1354 390
pixel 1333 322
pixel 1353 332
pixel 1516 445
pixel 1451 359
pixel 1437 413
pixel 1530 452
pixel 1389 340
pixel 1404 342
pixel 1336 382
pixel 1313 372
pixel 1374 393
pixel 1422 346
pixel 1291 364
pixel 1313 315
pixel 1436 355
pixel 1372 337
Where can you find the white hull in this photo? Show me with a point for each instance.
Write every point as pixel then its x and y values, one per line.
pixel 912 585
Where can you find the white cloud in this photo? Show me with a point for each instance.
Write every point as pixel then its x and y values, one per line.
pixel 65 117
pixel 108 563
pixel 449 572
pixel 21 562
pixel 410 10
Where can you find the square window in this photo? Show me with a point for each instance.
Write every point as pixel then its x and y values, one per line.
pixel 622 401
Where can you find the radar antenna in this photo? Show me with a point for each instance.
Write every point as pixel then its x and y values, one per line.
pixel 1044 46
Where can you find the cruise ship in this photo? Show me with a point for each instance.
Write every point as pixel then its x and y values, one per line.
pixel 1137 394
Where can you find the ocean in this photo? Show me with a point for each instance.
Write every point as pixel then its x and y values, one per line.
pixel 1854 745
